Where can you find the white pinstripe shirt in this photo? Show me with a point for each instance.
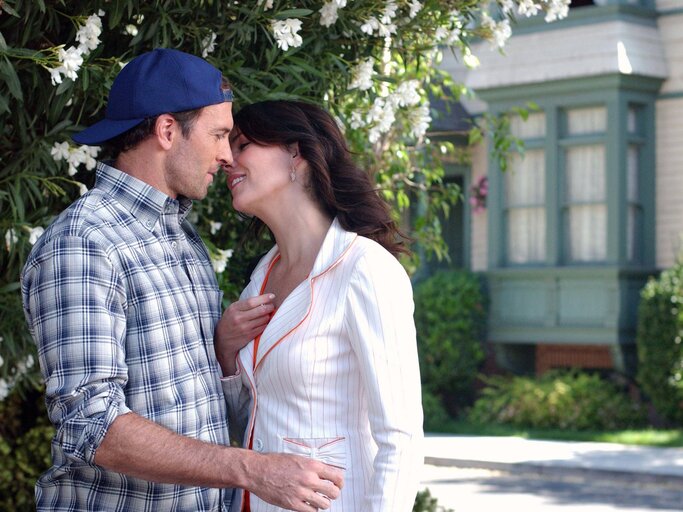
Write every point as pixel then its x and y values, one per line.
pixel 337 375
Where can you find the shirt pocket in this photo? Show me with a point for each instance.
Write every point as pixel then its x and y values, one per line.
pixel 330 450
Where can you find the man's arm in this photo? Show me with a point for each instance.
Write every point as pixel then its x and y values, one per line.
pixel 138 447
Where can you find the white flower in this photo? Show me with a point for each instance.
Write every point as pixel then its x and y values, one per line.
pixel 268 4
pixel 328 13
pixel 528 7
pixel 56 75
pixel 139 18
pixel 370 26
pixel 506 5
pixel 382 114
pixel 500 32
pixel 470 60
pixel 356 120
pixel 89 34
pixel 60 151
pixel 11 238
pixel 214 227
pixel 72 60
pixel 82 189
pixel 557 10
pixel 415 7
pixel 4 389
pixel 132 30
pixel 208 44
pixel 286 33
pixel 220 260
pixel 420 119
pixel 407 93
pixel 362 75
pixel 34 234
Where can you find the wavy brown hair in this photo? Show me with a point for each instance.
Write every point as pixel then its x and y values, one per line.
pixel 339 186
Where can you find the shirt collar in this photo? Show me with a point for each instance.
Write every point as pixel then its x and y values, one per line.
pixel 143 201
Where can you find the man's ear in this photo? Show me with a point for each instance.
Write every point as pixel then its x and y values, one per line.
pixel 166 130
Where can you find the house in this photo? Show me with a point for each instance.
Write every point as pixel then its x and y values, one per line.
pixel 575 226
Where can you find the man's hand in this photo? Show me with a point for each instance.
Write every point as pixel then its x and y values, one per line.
pixel 240 323
pixel 293 482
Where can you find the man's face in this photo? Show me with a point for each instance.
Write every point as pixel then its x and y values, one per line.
pixel 193 162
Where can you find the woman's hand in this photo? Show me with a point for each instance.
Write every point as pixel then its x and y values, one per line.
pixel 240 323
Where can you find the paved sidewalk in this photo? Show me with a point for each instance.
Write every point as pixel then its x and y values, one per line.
pixel 581 459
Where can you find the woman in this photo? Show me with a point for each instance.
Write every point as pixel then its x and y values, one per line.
pixel 334 375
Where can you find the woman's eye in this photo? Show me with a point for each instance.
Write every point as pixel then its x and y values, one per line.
pixel 242 146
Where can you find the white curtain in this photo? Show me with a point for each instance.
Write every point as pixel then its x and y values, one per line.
pixel 586 120
pixel 526 212
pixel 587 211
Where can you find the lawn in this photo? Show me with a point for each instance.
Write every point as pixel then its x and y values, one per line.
pixel 647 437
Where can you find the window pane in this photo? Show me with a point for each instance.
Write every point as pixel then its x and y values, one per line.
pixel 526 235
pixel 533 127
pixel 585 173
pixel 631 233
pixel 525 179
pixel 632 173
pixel 525 201
pixel 586 120
pixel 588 232
pixel 632 120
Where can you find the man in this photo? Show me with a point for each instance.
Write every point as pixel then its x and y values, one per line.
pixel 122 302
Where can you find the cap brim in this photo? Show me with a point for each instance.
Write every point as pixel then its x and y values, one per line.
pixel 104 130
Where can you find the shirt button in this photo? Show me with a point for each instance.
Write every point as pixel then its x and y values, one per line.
pixel 148 223
pixel 174 244
pixel 258 445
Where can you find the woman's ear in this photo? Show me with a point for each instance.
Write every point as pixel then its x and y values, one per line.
pixel 293 149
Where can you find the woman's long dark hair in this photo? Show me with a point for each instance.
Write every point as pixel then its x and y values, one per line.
pixel 340 187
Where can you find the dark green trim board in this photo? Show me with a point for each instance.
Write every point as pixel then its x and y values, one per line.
pixel 674 95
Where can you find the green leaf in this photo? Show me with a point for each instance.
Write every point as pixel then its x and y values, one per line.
pixel 293 13
pixel 3 43
pixel 4 104
pixel 11 79
pixel 6 8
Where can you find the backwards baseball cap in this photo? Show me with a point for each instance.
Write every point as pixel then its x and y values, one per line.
pixel 158 82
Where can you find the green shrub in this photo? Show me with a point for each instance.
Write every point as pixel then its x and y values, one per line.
pixel 658 340
pixel 424 502
pixel 436 419
pixel 25 435
pixel 450 316
pixel 561 399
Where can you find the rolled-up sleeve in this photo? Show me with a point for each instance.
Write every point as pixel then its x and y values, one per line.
pixel 75 305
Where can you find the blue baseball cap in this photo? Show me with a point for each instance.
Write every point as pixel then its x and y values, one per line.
pixel 158 82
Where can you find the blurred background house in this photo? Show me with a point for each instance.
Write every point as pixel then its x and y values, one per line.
pixel 574 227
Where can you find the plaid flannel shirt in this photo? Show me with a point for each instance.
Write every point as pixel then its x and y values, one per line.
pixel 121 300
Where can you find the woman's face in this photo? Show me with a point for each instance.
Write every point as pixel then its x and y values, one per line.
pixel 259 177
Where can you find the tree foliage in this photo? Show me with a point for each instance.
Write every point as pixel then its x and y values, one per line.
pixel 373 63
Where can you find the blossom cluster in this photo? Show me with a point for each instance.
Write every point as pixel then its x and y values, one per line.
pixel 381 114
pixel 71 59
pixel 11 237
pixel 75 156
pixel 17 373
pixel 478 192
pixel 219 260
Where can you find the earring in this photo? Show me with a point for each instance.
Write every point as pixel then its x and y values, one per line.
pixel 292 176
